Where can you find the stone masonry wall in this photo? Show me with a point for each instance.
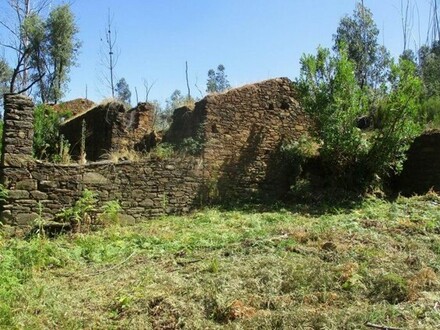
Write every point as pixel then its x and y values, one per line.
pixel 109 127
pixel 242 131
pixel 148 188
pixel 18 130
pixel 144 189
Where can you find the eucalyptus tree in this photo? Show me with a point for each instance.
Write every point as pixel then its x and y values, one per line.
pixel 217 80
pixel 43 49
pixel 359 34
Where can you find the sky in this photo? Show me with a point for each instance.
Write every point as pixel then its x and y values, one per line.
pixel 254 39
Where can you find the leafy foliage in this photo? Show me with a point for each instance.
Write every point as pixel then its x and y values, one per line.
pixel 360 81
pixel 123 92
pixel 61 50
pixel 164 151
pixel 5 77
pixel 331 93
pixel 431 111
pixel 401 122
pixel 430 68
pixel 46 132
pixel 46 49
pixel 48 144
pixel 80 213
pixel 359 34
pixel 110 212
pixel 217 80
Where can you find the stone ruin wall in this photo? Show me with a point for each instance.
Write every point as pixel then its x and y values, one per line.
pixel 144 189
pixel 109 127
pixel 242 130
pixel 148 188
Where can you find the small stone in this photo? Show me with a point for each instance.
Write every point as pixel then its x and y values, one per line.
pixel 18 194
pixel 26 219
pixel 47 185
pixel 126 219
pixel 94 178
pixel 28 184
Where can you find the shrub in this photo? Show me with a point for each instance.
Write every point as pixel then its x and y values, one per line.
pixel 330 93
pixel 300 150
pixel 431 111
pixel 46 132
pixel 110 212
pixel 164 150
pixel 191 146
pixel 401 121
pixel 80 212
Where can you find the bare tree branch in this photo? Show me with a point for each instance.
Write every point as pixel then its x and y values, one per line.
pixel 148 88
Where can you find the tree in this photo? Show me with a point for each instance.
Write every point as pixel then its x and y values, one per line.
pixel 5 77
pixel 330 93
pixel 61 51
pixel 123 91
pixel 433 33
pixel 44 49
pixel 110 54
pixel 430 68
pixel 359 34
pixel 400 122
pixel 217 81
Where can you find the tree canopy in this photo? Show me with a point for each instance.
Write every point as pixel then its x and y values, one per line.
pixel 123 91
pixel 45 48
pixel 337 89
pixel 217 80
pixel 359 34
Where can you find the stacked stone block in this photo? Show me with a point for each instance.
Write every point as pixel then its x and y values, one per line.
pixel 18 130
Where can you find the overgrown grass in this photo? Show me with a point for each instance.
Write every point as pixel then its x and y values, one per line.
pixel 376 262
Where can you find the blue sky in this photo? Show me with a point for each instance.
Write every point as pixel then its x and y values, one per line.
pixel 253 39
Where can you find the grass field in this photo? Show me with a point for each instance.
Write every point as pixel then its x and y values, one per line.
pixel 322 267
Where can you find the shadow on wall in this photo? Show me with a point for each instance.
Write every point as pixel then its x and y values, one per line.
pixel 421 171
pixel 253 172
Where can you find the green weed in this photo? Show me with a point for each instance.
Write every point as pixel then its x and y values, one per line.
pixel 375 262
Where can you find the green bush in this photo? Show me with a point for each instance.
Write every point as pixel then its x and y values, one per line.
pixel 46 132
pixel 300 150
pixel 330 93
pixel 191 146
pixel 164 151
pixel 431 111
pixel 80 212
pixel 110 212
pixel 400 123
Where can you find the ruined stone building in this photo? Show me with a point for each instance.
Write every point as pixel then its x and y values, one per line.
pixel 108 127
pixel 240 133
